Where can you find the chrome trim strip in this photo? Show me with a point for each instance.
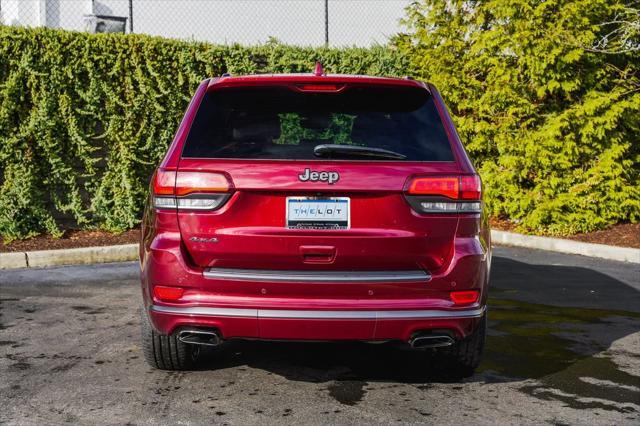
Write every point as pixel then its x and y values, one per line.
pixel 315 276
pixel 302 314
pixel 472 313
pixel 206 311
pixel 276 313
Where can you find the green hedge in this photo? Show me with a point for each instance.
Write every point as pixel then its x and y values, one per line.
pixel 547 97
pixel 554 127
pixel 84 118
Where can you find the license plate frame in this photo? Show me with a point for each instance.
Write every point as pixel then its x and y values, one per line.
pixel 337 221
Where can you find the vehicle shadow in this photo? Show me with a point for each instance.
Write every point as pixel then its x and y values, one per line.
pixel 542 320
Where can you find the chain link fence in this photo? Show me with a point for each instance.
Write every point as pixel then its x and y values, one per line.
pixel 298 22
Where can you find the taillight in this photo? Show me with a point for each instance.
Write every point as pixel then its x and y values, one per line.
pixel 200 182
pixel 446 186
pixel 320 87
pixel 470 187
pixel 464 297
pixel 446 194
pixel 167 293
pixel 164 182
pixel 189 190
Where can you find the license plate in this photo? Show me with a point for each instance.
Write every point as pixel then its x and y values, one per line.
pixel 318 213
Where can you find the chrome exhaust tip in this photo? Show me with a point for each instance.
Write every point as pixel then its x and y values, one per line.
pixel 200 337
pixel 425 341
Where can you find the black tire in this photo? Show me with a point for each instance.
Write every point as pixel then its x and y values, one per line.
pixel 465 356
pixel 166 352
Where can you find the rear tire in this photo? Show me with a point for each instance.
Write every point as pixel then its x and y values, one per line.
pixel 465 355
pixel 166 352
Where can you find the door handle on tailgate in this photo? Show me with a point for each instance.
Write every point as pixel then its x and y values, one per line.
pixel 318 254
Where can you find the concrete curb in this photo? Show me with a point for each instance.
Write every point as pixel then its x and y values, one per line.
pixel 73 256
pixel 13 260
pixel 127 252
pixel 622 254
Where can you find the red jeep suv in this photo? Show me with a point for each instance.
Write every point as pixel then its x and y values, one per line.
pixel 314 207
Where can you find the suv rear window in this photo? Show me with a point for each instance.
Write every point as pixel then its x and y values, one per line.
pixel 283 123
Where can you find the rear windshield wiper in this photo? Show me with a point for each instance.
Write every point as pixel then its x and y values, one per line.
pixel 350 151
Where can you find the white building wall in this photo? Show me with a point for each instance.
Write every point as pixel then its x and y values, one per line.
pixel 67 14
pixel 299 22
pixel 21 12
pixel 364 22
pixel 9 12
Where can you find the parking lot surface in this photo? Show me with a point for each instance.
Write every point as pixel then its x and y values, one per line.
pixel 563 348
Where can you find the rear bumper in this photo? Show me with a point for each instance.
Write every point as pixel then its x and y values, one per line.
pixel 277 304
pixel 315 324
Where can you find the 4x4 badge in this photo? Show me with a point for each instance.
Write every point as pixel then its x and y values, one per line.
pixel 203 239
pixel 329 177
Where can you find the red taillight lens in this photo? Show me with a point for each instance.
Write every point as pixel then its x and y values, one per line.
pixel 454 187
pixel 464 297
pixel 167 293
pixel 169 182
pixel 445 186
pixel 200 182
pixel 190 190
pixel 470 187
pixel 164 182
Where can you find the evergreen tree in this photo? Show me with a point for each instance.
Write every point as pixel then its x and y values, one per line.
pixel 553 122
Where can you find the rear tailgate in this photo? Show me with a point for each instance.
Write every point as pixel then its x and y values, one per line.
pixel 250 230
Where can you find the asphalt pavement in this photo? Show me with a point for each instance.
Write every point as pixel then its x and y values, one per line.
pixel 563 348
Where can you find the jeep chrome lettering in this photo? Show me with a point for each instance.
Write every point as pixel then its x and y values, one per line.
pixel 329 177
